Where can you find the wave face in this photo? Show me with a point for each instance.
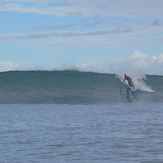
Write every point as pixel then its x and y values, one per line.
pixel 74 87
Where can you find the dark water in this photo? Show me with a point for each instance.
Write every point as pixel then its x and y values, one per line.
pixel 74 87
pixel 51 133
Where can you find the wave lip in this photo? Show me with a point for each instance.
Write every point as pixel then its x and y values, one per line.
pixel 74 87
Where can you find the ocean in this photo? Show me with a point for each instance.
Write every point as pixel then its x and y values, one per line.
pixel 75 87
pixel 80 117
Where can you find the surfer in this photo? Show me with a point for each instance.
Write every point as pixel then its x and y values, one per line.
pixel 130 83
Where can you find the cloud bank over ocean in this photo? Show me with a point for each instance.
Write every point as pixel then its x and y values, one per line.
pixel 135 64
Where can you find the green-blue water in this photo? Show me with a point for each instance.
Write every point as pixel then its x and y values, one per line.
pixel 74 87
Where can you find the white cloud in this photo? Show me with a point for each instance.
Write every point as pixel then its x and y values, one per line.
pixel 158 59
pixel 127 8
pixel 136 64
pixel 12 66
pixel 100 38
pixel 136 31
pixel 57 10
pixel 6 66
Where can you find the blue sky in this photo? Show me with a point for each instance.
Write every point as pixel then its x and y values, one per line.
pixel 88 34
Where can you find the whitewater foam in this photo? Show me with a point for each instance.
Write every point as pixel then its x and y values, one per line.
pixel 139 82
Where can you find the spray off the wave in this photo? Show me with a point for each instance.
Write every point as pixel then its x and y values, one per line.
pixel 140 82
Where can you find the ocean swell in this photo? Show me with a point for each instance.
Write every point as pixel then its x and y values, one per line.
pixel 75 87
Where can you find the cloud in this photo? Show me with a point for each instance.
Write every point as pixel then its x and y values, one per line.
pixel 125 8
pixel 113 19
pixel 132 37
pixel 50 10
pixel 11 66
pixel 136 64
pixel 14 66
pixel 114 31
pixel 52 27
pixel 139 63
pixel 30 1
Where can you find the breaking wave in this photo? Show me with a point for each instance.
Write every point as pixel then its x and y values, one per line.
pixel 75 87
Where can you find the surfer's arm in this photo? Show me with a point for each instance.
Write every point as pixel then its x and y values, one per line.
pixel 124 80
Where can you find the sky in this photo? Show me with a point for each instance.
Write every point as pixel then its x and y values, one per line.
pixel 112 36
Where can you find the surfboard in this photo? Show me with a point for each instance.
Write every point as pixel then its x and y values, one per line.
pixel 133 89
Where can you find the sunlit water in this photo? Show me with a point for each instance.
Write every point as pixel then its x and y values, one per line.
pixel 49 133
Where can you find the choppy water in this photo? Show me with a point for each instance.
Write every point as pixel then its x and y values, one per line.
pixel 113 132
